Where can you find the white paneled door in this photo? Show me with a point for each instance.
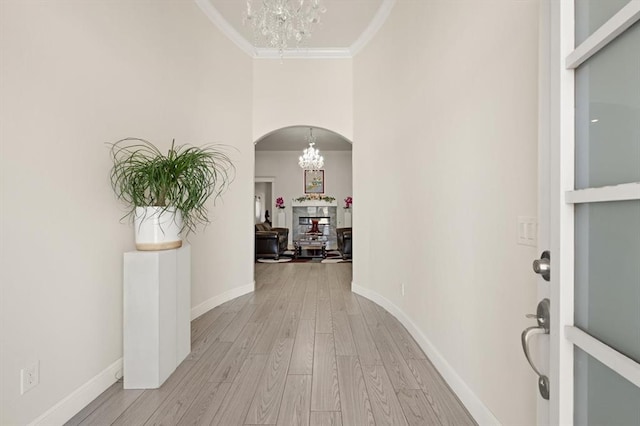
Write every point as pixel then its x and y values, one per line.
pixel 590 211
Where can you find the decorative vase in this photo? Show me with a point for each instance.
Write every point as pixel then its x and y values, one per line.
pixel 314 227
pixel 157 228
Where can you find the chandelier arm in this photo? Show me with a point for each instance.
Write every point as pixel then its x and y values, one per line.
pixel 279 21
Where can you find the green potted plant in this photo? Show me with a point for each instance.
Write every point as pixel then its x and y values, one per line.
pixel 166 194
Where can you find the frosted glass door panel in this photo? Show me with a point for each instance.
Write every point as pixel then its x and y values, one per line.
pixel 591 14
pixel 601 396
pixel 608 114
pixel 607 273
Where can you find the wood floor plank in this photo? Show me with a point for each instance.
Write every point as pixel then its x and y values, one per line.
pixel 225 383
pixel 271 327
pixel 337 302
pixel 323 317
pixel 326 418
pixel 292 315
pixel 335 294
pixel 178 401
pixel 342 334
pixel 444 402
pixel 312 283
pixel 238 303
pixel 266 403
pixel 261 314
pixel 112 390
pixel 365 346
pixel 228 367
pixel 397 369
pixel 268 273
pixel 345 275
pixel 200 324
pixel 302 357
pixel 369 311
pixel 408 347
pixel 268 335
pixel 289 325
pixel 296 401
pixel 263 292
pixel 300 283
pixel 206 405
pixel 309 305
pixel 235 405
pixel 384 401
pixel 202 343
pixel 416 408
pixel 112 408
pixel 323 285
pixel 233 330
pixel 353 393
pixel 325 394
pixel 351 303
pixel 152 399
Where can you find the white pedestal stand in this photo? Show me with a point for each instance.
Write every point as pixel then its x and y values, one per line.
pixel 347 218
pixel 157 315
pixel 281 219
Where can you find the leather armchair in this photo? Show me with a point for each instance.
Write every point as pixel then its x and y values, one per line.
pixel 344 242
pixel 271 241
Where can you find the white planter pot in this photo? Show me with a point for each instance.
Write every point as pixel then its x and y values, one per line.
pixel 157 228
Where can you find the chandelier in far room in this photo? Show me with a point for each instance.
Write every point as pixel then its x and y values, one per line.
pixel 311 158
pixel 281 21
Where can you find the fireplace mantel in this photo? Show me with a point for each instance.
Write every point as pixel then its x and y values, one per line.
pixel 314 203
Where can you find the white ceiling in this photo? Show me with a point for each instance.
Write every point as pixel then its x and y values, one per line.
pixel 294 139
pixel 340 26
pixel 344 29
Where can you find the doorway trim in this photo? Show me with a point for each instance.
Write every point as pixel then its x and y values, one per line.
pixel 564 59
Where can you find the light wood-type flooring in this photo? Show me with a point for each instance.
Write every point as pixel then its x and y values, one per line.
pixel 301 350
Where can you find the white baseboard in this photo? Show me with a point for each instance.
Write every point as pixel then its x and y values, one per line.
pixel 476 407
pixel 80 398
pixel 209 304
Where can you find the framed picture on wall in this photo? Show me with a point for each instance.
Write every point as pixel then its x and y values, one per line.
pixel 314 181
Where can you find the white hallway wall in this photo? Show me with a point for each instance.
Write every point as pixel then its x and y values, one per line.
pixel 451 119
pixel 291 92
pixel 74 75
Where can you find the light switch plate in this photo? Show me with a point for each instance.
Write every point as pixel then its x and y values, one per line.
pixel 527 231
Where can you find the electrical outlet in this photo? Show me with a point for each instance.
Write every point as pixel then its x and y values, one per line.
pixel 29 377
pixel 402 288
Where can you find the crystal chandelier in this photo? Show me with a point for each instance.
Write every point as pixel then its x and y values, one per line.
pixel 280 21
pixel 311 158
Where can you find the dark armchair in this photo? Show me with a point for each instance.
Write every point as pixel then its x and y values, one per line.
pixel 271 241
pixel 344 242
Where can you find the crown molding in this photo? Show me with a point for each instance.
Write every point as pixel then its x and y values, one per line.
pixel 301 53
pixel 374 26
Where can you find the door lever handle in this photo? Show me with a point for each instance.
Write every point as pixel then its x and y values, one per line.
pixel 542 317
pixel 526 334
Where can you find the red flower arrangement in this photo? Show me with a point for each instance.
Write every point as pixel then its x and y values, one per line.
pixel 347 202
pixel 280 203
